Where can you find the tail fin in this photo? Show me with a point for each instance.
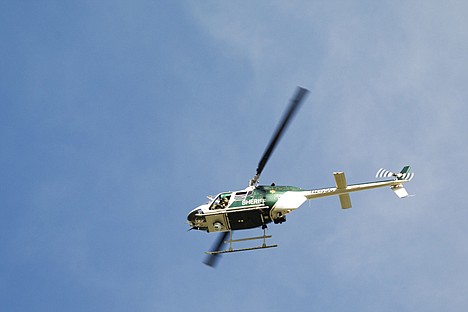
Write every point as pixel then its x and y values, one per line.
pixel 404 174
pixel 399 190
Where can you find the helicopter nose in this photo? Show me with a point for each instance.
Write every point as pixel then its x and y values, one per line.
pixel 191 216
pixel 195 218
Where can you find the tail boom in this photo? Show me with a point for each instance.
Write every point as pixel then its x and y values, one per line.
pixel 292 200
pixel 343 190
pixel 332 191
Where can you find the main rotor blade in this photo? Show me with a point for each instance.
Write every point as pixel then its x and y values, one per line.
pixel 212 259
pixel 299 96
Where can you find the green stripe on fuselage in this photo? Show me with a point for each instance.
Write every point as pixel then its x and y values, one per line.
pixel 262 195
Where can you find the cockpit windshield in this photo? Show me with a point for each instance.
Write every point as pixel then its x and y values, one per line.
pixel 221 201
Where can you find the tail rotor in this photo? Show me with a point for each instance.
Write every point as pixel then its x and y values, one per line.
pixel 404 174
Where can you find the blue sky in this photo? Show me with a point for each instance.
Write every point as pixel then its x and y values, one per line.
pixel 118 118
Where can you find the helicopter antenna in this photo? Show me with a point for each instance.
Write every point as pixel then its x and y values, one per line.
pixel 297 99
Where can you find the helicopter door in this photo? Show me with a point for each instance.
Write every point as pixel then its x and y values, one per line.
pixel 217 223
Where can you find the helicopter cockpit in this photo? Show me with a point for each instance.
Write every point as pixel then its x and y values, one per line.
pixel 221 201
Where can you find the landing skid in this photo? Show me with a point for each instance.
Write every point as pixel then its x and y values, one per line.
pixel 240 249
pixel 230 241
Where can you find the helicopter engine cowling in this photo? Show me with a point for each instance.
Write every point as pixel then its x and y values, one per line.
pixel 287 203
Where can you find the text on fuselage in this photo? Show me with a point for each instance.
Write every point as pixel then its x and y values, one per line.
pixel 254 201
pixel 323 191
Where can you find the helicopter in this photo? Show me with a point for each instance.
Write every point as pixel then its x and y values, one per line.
pixel 259 205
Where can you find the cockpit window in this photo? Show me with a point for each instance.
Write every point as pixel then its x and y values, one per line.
pixel 221 201
pixel 240 196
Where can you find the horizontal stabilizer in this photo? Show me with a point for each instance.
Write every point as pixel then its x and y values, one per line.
pixel 345 201
pixel 340 181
